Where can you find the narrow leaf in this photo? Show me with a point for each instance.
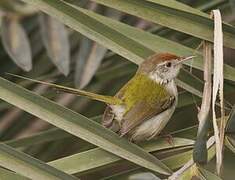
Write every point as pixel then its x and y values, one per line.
pixel 16 43
pixel 41 137
pixel 207 175
pixel 230 142
pixel 164 13
pixel 101 29
pixel 173 161
pixel 97 157
pixel 89 27
pixel 28 166
pixel 8 175
pixel 230 126
pixel 197 172
pixel 179 6
pixel 144 175
pixel 156 43
pixel 190 83
pixel 89 58
pixel 55 39
pixel 78 125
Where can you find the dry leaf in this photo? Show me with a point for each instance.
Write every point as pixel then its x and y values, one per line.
pixel 218 83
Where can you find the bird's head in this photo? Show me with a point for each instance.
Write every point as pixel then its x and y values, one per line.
pixel 162 67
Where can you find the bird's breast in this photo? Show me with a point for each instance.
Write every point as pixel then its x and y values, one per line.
pixel 143 89
pixel 172 89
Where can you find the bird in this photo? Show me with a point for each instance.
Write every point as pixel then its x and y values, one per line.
pixel 149 99
pixel 144 105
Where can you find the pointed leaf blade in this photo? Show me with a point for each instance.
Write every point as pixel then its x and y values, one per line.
pixel 89 59
pixel 55 39
pixel 16 43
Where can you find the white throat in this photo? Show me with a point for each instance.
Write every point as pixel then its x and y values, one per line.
pixel 169 84
pixel 157 78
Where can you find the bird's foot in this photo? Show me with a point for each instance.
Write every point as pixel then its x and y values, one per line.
pixel 168 138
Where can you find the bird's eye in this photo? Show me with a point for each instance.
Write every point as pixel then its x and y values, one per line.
pixel 168 64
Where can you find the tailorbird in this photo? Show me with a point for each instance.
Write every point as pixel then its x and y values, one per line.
pixel 144 105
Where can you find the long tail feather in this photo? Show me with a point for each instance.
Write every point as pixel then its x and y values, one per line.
pixel 98 97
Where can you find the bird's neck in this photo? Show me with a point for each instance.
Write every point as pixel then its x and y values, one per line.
pixel 158 79
pixel 146 79
pixel 168 83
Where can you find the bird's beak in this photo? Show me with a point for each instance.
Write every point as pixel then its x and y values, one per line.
pixel 185 59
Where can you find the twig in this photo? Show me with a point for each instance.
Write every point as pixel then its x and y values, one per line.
pixel 200 151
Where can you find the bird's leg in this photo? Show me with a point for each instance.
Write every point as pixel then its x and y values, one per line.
pixel 168 138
